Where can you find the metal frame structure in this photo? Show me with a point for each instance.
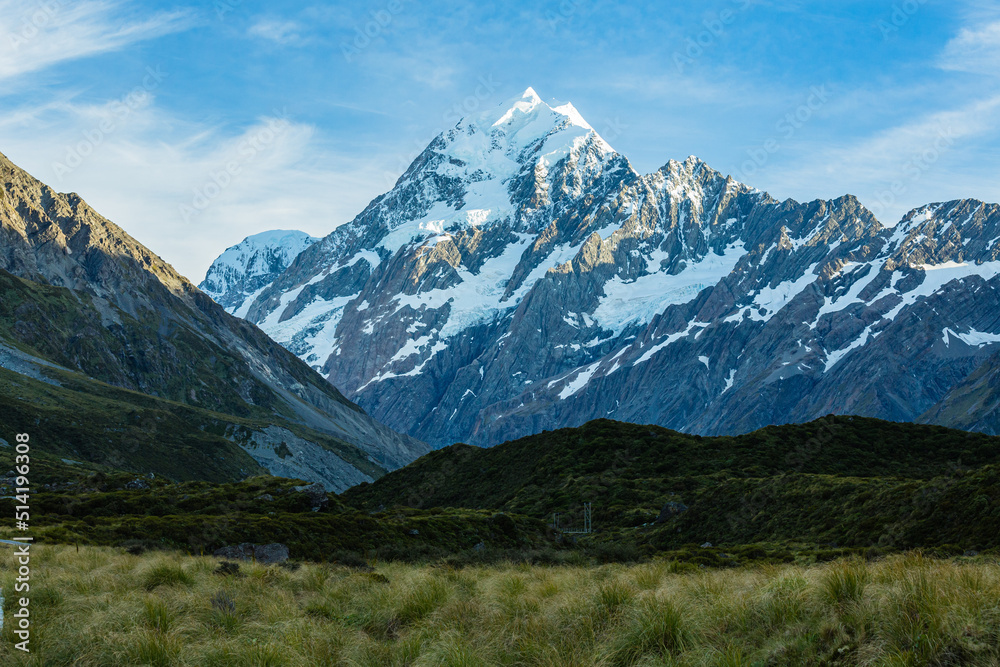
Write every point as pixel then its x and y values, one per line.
pixel 588 522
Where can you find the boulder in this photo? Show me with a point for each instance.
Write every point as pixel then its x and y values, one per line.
pixel 236 552
pixel 267 554
pixel 316 494
pixel 270 553
pixel 227 568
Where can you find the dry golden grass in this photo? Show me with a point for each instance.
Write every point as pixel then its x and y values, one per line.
pixel 101 608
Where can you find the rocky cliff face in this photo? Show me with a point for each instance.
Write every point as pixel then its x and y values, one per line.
pixel 129 320
pixel 522 276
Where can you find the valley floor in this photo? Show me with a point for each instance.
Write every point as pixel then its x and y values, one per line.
pixel 102 607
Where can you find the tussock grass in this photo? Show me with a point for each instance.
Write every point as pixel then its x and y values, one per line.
pixel 165 573
pixel 104 608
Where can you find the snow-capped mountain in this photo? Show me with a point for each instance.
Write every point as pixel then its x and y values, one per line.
pixel 242 272
pixel 521 276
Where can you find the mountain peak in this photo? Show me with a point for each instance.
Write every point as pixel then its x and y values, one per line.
pixel 529 96
pixel 691 164
pixel 526 119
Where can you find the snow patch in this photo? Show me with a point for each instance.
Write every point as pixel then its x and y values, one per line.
pixel 671 339
pixel 579 382
pixel 833 358
pixel 730 379
pixel 972 338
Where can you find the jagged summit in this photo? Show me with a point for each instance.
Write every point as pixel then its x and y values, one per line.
pixel 523 124
pixel 510 167
pixel 524 102
pixel 529 96
pixel 530 104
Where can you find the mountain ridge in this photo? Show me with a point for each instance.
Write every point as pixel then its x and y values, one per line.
pixel 565 286
pixel 834 482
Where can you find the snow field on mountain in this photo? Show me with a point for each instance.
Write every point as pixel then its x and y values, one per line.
pixel 812 285
pixel 249 258
pixel 638 301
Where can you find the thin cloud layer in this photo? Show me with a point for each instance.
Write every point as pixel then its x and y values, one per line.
pixel 974 50
pixel 279 32
pixel 196 190
pixel 37 36
pixel 918 161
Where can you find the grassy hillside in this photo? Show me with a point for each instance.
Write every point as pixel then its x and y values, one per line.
pixel 71 329
pixel 840 481
pixel 100 607
pixel 524 472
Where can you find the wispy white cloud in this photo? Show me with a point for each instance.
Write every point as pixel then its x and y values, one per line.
pixel 279 32
pixel 928 154
pixel 185 190
pixel 34 36
pixel 975 49
pixel 895 145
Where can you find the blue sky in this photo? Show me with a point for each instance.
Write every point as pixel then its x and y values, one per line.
pixel 195 125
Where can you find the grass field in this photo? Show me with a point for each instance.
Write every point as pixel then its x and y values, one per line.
pixel 103 607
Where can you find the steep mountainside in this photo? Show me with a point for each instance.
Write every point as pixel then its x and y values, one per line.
pixel 80 296
pixel 521 276
pixel 974 403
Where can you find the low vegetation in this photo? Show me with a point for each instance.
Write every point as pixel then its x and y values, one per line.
pixel 631 462
pixel 792 545
pixel 834 486
pixel 802 493
pixel 142 514
pixel 103 607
